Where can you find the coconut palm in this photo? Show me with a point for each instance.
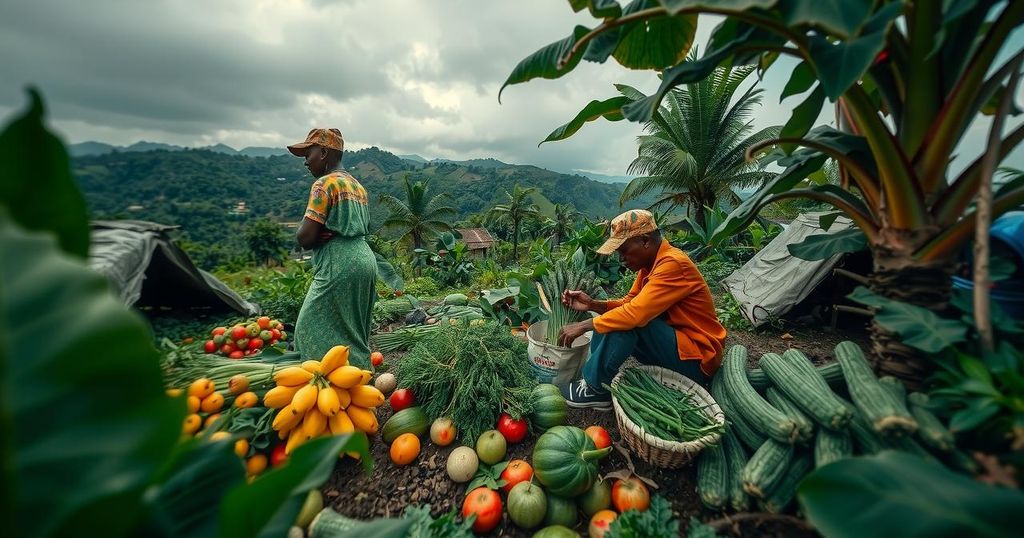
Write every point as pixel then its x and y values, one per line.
pixel 518 209
pixel 693 154
pixel 564 222
pixel 420 215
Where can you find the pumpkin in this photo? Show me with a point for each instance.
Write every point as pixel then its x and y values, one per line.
pixel 564 461
pixel 412 420
pixel 597 498
pixel 561 511
pixel 527 505
pixel 549 407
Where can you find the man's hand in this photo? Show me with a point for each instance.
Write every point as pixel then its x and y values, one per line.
pixel 572 331
pixel 325 236
pixel 577 300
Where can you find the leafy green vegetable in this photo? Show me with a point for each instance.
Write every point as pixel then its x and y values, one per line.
pixel 489 476
pixel 657 521
pixel 445 526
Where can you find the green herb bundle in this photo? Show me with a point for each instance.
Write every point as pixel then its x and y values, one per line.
pixel 564 275
pixel 665 413
pixel 401 338
pixel 656 522
pixel 470 374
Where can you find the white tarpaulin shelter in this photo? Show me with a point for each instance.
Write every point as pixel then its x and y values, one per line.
pixel 774 281
pixel 146 268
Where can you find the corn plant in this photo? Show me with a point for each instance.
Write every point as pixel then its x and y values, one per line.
pixel 907 79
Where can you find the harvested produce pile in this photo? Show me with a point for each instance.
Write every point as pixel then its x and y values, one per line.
pixel 798 422
pixel 564 275
pixel 470 374
pixel 401 338
pixel 246 338
pixel 665 413
pixel 393 309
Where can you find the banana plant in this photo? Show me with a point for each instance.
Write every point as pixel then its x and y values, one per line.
pixel 907 80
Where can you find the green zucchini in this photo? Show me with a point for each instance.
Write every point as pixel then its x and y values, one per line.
pixel 329 523
pixel 759 413
pixel 712 477
pixel 832 445
pixel 758 379
pixel 863 435
pixel 884 412
pixel 766 467
pixel 737 424
pixel 795 376
pixel 736 459
pixel 780 497
pixel 782 403
pixel 895 387
pixel 931 431
pixel 832 372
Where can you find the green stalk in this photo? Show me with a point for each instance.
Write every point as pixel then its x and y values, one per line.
pixel 922 101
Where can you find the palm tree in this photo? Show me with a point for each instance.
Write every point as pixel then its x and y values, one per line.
pixel 419 215
pixel 518 209
pixel 564 221
pixel 694 152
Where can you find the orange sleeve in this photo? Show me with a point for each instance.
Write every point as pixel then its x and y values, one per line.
pixel 667 285
pixel 633 291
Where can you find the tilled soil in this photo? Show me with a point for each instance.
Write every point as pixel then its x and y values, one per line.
pixel 389 489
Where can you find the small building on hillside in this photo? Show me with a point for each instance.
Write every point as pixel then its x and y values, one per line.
pixel 478 240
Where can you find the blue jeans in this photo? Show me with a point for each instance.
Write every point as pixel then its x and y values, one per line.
pixel 653 344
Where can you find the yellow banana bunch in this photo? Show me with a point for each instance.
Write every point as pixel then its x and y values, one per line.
pixel 325 397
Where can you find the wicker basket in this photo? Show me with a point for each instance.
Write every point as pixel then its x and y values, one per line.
pixel 654 450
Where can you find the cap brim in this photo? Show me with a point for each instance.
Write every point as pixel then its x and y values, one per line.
pixel 610 246
pixel 300 149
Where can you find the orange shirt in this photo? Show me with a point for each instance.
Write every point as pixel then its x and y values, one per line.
pixel 674 286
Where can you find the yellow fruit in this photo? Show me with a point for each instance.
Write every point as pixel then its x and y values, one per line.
pixel 365 376
pixel 238 384
pixel 311 366
pixel 219 436
pixel 314 423
pixel 327 402
pixel 345 376
pixel 280 396
pixel 365 420
pixel 212 403
pixel 241 447
pixel 344 398
pixel 193 404
pixel 295 440
pixel 255 465
pixel 336 357
pixel 210 420
pixel 305 399
pixel 191 424
pixel 366 396
pixel 201 388
pixel 246 400
pixel 173 393
pixel 293 376
pixel 286 419
pixel 340 424
pixel 283 434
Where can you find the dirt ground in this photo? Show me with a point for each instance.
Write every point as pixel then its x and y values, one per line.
pixel 389 489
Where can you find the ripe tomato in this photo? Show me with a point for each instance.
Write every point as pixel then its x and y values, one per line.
pixel 226 349
pixel 209 346
pixel 486 504
pixel 275 334
pixel 513 430
pixel 402 398
pixel 219 331
pixel 255 343
pixel 600 436
pixel 376 358
pixel 277 455
pixel 263 322
pixel 238 332
pixel 630 493
pixel 516 472
pixel 236 354
pixel 600 523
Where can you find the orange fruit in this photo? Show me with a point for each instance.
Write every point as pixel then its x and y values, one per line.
pixel 255 465
pixel 212 403
pixel 405 448
pixel 191 424
pixel 242 447
pixel 201 388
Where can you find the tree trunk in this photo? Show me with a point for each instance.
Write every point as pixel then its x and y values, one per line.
pixel 515 240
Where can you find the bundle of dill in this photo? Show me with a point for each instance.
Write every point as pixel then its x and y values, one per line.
pixel 471 375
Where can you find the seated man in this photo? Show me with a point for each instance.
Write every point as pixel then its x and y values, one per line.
pixel 667 319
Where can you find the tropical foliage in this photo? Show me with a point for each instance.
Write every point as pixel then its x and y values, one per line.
pixel 419 215
pixel 517 209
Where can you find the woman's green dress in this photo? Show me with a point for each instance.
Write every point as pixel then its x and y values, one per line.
pixel 339 305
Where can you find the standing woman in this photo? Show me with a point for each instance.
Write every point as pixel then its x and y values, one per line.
pixel 339 304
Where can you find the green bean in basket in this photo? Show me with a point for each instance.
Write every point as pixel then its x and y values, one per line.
pixel 664 413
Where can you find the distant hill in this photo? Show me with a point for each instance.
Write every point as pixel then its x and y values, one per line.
pixel 413 157
pixel 85 149
pixel 89 148
pixel 603 178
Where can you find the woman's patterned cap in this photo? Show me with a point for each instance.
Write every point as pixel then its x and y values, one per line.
pixel 629 224
pixel 328 138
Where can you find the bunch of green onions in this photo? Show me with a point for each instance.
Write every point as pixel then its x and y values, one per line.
pixel 662 412
pixel 402 338
pixel 564 275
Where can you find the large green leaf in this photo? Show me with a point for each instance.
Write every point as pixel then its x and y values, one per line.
pixel 824 246
pixel 842 18
pixel 674 6
pixel 654 43
pixel 803 117
pixel 800 80
pixel 841 64
pixel 36 185
pixel 601 9
pixel 610 109
pixel 895 494
pixel 387 273
pixel 269 506
pixel 918 327
pixel 86 423
pixel 544 62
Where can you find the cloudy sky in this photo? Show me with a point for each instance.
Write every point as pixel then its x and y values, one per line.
pixel 408 76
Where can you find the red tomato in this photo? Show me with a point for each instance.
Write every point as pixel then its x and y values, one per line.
pixel 277 456
pixel 402 398
pixel 263 322
pixel 255 343
pixel 599 436
pixel 486 504
pixel 210 346
pixel 226 349
pixel 236 354
pixel 376 358
pixel 275 334
pixel 513 430
pixel 516 472
pixel 238 332
pixel 219 331
pixel 630 493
